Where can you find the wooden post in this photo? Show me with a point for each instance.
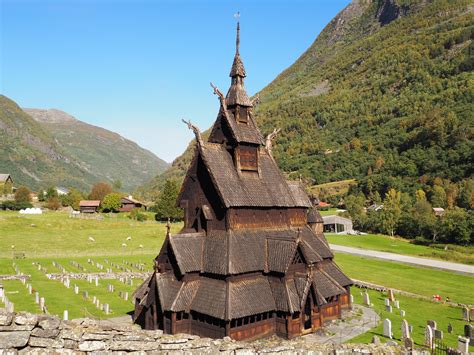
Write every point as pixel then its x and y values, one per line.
pixel 173 323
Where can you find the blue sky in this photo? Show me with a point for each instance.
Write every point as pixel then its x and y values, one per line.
pixel 138 67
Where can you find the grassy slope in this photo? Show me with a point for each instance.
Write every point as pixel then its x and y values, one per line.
pixel 417 313
pixel 402 246
pixel 422 281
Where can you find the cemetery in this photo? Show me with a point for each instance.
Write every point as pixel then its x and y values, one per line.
pixel 72 285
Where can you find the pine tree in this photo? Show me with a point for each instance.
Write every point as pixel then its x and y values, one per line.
pixel 166 204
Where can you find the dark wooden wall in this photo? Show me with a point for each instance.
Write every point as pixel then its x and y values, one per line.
pixel 252 218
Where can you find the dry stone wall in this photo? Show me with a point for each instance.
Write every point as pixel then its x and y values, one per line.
pixel 30 333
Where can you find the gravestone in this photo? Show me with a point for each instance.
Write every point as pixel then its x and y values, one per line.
pixel 450 328
pixel 366 299
pixel 465 314
pixel 410 328
pixel 65 315
pixel 10 307
pixel 431 323
pixel 96 281
pixel 463 345
pixel 125 296
pixel 402 313
pixel 396 304
pixel 429 337
pixel 469 332
pixel 408 342
pixel 41 304
pixel 30 289
pixel 37 297
pixel 76 289
pixel 405 330
pixel 387 328
pixel 352 299
pixel 85 294
pixel 391 297
pixel 94 298
pixel 387 302
pixel 388 309
pixel 106 308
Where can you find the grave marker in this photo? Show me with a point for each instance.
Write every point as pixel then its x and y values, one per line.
pixel 432 324
pixel 402 313
pixel 405 330
pixel 387 328
pixel 366 299
pixel 429 337
pixel 463 345
pixel 37 298
pixel 65 315
pixel 396 303
pixel 388 309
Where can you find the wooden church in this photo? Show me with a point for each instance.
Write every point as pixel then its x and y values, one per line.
pixel 251 260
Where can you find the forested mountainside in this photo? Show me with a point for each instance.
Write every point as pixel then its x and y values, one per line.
pixel 384 95
pixel 57 149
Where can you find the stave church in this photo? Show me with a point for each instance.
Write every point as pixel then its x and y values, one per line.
pixel 251 260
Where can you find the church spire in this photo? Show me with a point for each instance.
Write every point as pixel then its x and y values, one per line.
pixel 236 94
pixel 237 66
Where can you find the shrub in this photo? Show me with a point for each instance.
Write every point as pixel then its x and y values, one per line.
pixel 22 194
pixel 111 202
pixel 15 206
pixel 53 203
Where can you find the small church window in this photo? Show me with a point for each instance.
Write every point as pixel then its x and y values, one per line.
pixel 248 157
pixel 241 114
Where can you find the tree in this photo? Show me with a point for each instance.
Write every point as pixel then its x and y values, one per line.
pixel 438 197
pixel 53 203
pixel 99 191
pixel 111 202
pixel 41 195
pixel 355 208
pixel 166 204
pixel 22 195
pixel 72 198
pixel 466 194
pixel 51 192
pixel 426 221
pixel 391 211
pixel 456 226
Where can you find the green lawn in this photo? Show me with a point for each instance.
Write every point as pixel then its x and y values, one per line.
pixel 417 312
pixel 55 233
pixel 385 243
pixel 422 281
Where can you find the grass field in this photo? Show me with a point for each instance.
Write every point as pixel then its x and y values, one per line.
pixel 56 237
pixel 55 233
pixel 384 243
pixel 422 281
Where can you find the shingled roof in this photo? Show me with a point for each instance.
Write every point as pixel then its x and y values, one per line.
pixel 269 190
pixel 240 251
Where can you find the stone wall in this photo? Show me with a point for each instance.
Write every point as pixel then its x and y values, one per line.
pixel 25 332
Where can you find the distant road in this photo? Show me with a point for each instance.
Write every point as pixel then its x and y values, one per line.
pixel 438 264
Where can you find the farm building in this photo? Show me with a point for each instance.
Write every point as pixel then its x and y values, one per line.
pixel 129 203
pixel 89 206
pixel 61 191
pixel 251 260
pixel 438 211
pixel 337 224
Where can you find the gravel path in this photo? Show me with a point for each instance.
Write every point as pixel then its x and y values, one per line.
pixel 351 325
pixel 438 264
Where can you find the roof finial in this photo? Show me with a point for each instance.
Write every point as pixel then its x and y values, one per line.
pixel 237 41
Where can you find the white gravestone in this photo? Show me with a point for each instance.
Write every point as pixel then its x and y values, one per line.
pixel 387 328
pixel 65 315
pixel 405 330
pixel 396 304
pixel 366 299
pixel 429 337
pixel 463 345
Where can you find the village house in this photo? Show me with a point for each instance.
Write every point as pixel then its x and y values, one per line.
pixel 61 191
pixel 89 206
pixel 129 203
pixel 251 260
pixel 438 211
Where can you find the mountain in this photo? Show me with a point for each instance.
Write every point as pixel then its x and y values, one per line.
pixel 104 154
pixel 383 95
pixel 56 149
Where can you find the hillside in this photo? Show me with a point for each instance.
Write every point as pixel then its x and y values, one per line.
pixel 104 154
pixel 384 91
pixel 57 149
